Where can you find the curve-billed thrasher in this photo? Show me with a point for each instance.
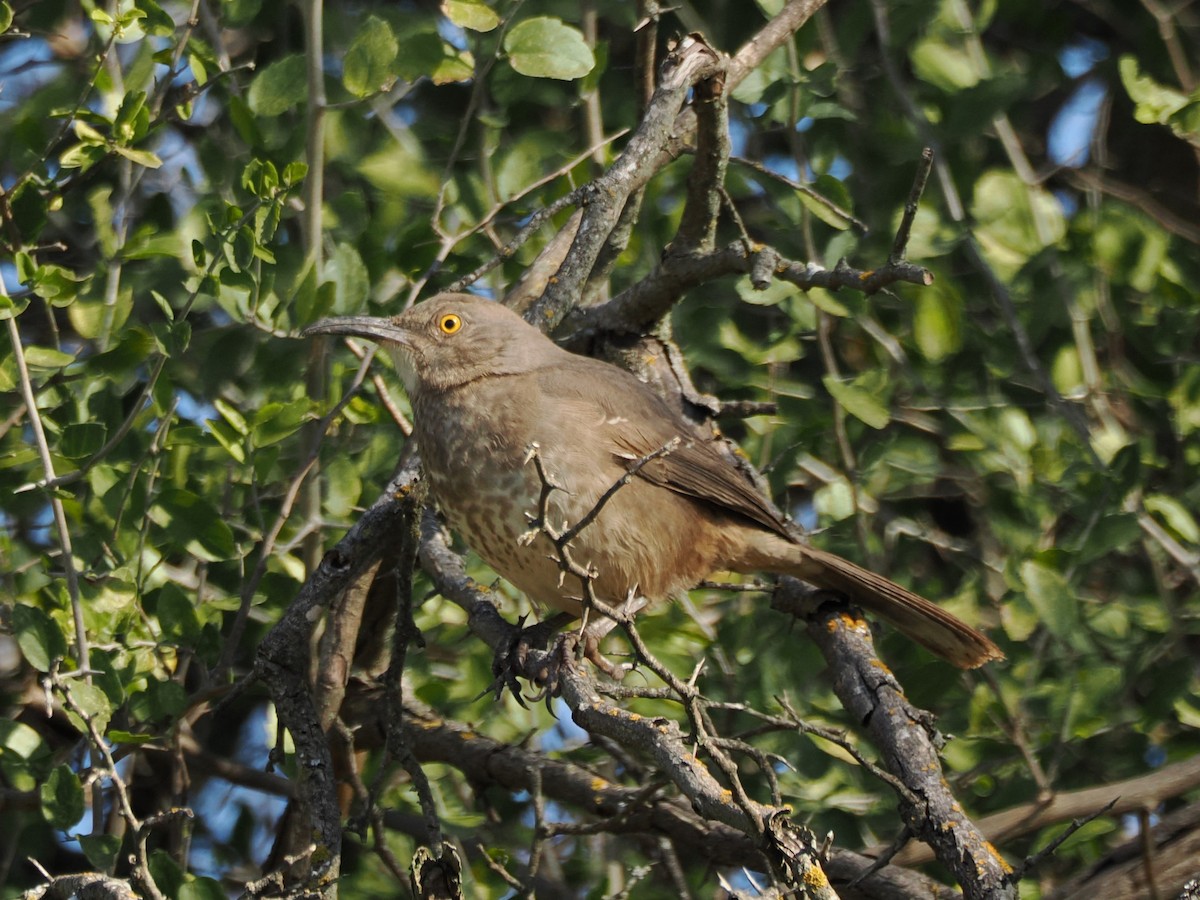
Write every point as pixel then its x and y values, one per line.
pixel 486 387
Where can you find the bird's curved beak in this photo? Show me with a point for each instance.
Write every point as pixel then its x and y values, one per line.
pixel 382 330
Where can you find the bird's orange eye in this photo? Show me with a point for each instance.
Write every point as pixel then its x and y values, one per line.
pixel 450 323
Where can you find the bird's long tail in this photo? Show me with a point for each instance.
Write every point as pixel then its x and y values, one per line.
pixel 926 623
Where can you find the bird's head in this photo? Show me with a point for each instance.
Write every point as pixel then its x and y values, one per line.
pixel 450 340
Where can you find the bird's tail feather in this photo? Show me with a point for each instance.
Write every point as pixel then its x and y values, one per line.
pixel 926 623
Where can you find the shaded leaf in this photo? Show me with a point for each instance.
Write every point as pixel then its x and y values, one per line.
pixel 100 849
pixel 193 522
pixel 39 637
pixel 368 67
pixel 82 439
pixel 279 86
pixel 61 796
pixel 351 280
pixel 201 889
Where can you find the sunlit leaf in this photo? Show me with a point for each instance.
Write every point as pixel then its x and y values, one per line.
pixel 1176 515
pixel 472 14
pixel 545 47
pixel 937 324
pixel 859 403
pixel 1055 602
pixel 91 702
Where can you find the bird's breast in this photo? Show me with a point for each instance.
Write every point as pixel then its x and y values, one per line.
pixel 477 451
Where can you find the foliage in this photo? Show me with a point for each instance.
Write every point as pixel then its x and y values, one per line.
pixel 1021 439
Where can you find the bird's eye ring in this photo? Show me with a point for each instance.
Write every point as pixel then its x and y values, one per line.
pixel 450 323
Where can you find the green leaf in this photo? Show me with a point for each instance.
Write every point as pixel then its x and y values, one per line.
pixel 834 500
pixel 232 415
pixel 194 523
pixel 369 61
pixel 177 616
pixel 29 205
pixel 276 421
pixel 279 86
pixel 163 700
pixel 235 14
pixel 82 156
pixel 1153 103
pixel 166 871
pixel 472 14
pixel 143 158
pixel 118 736
pixel 1053 600
pixel 24 756
pixel 54 283
pixel 860 403
pixel 293 173
pixel 826 302
pixel 1015 220
pixel 775 293
pixel 61 796
pixel 87 134
pixel 937 324
pixel 344 487
pixel 82 439
pixel 352 282
pixel 833 190
pixel 1111 534
pixel 156 22
pixel 202 889
pixel 199 71
pixel 1176 515
pixel 545 47
pixel 949 68
pixel 47 358
pixel 100 849
pixel 39 637
pixel 10 307
pixel 93 702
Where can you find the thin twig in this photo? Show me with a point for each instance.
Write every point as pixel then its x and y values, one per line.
pixel 900 243
pixel 60 515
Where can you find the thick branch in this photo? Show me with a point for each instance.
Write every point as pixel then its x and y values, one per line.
pixel 607 195
pixel 651 298
pixel 908 744
pixel 283 657
pixel 625 810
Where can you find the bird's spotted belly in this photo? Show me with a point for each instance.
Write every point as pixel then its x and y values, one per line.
pixel 498 521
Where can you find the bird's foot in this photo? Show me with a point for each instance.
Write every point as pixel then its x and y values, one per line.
pixel 512 661
pixel 591 638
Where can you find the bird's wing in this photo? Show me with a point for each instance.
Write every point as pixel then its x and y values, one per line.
pixel 696 469
pixel 638 423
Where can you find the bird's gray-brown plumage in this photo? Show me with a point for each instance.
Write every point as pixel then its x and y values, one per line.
pixel 486 386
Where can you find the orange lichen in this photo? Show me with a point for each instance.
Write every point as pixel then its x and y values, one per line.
pixel 814 876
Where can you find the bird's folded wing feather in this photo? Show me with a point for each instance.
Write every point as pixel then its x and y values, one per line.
pixel 639 423
pixel 696 469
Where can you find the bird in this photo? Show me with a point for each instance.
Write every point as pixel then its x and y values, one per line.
pixel 514 430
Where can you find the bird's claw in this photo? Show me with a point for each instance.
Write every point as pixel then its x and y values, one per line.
pixel 513 660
